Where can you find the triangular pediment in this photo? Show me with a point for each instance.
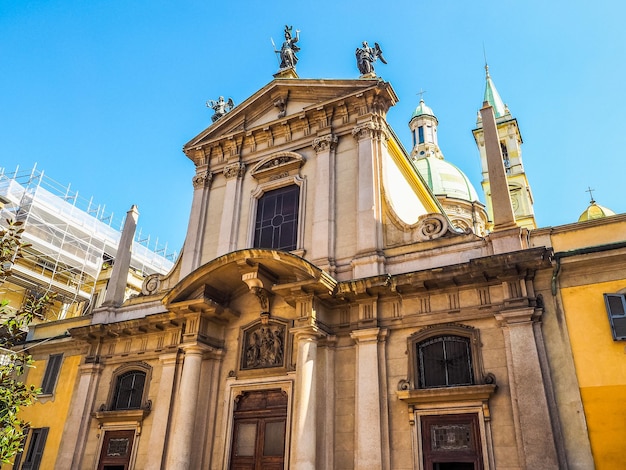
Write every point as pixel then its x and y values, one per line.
pixel 284 100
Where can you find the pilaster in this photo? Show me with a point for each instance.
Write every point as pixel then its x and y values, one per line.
pixel 368 260
pixel 368 414
pixel 323 246
pixel 536 443
pixel 161 412
pixel 229 224
pixel 75 432
pixel 192 251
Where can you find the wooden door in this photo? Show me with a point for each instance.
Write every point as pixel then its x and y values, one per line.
pixel 259 431
pixel 117 448
pixel 451 442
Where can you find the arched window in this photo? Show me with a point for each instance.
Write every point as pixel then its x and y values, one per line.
pixel 129 390
pixel 445 356
pixel 444 361
pixel 276 224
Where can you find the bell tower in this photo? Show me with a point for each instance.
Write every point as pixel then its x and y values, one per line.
pixel 511 146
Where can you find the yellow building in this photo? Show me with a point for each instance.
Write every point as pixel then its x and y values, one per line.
pixel 588 285
pixel 71 254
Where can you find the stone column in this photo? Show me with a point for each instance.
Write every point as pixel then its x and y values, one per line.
pixel 536 444
pixel 303 455
pixel 367 415
pixel 161 412
pixel 179 452
pixel 76 426
pixel 229 224
pixel 116 288
pixel 323 246
pixel 192 251
pixel 368 261
pixel 503 217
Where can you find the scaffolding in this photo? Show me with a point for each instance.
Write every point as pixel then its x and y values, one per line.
pixel 70 240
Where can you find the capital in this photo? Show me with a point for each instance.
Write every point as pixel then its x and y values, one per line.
pixel 202 179
pixel 236 170
pixel 327 142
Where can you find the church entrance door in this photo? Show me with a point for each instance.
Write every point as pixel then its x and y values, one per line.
pixel 259 427
pixel 451 442
pixel 116 450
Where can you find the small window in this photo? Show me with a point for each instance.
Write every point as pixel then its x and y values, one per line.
pixel 420 133
pixel 129 390
pixel 36 446
pixel 444 361
pixel 505 156
pixel 52 374
pixel 616 308
pixel 276 224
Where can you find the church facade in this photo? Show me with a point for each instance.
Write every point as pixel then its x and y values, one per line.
pixel 330 310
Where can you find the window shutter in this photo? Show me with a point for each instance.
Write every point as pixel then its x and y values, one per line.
pixel 616 308
pixel 35 451
pixel 51 374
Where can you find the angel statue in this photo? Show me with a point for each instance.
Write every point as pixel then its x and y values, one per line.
pixel 288 50
pixel 220 107
pixel 366 56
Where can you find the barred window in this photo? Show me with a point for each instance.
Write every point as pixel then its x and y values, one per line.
pixel 129 390
pixel 444 361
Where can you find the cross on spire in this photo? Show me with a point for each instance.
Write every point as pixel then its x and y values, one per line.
pixel 590 191
pixel 421 93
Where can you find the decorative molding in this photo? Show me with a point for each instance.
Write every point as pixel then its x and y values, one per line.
pixel 327 142
pixel 431 226
pixel 364 130
pixel 202 179
pixel 281 104
pixel 151 284
pixel 236 170
pixel 277 164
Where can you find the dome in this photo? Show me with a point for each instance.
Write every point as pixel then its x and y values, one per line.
pixel 422 110
pixel 595 211
pixel 444 178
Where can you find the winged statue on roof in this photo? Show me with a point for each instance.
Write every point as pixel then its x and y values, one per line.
pixel 366 56
pixel 221 107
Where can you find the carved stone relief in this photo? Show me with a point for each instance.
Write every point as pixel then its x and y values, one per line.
pixel 263 346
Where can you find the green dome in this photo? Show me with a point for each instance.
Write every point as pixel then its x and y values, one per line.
pixel 422 110
pixel 595 211
pixel 444 178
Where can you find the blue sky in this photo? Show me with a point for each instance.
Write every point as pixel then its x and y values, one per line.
pixel 104 94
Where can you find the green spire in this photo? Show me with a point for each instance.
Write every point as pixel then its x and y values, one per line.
pixel 493 97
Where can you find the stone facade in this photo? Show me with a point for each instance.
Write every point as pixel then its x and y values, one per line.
pixel 383 338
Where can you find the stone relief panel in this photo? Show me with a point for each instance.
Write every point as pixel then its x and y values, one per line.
pixel 263 346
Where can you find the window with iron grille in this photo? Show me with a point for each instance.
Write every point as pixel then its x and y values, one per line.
pixel 129 390
pixel 276 223
pixel 444 361
pixel 616 308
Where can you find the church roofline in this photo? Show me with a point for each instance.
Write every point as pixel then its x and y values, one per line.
pixel 274 90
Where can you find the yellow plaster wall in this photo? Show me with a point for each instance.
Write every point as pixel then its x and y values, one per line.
pixel 52 410
pixel 601 368
pixel 613 230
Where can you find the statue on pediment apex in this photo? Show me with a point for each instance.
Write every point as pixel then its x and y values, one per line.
pixel 220 107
